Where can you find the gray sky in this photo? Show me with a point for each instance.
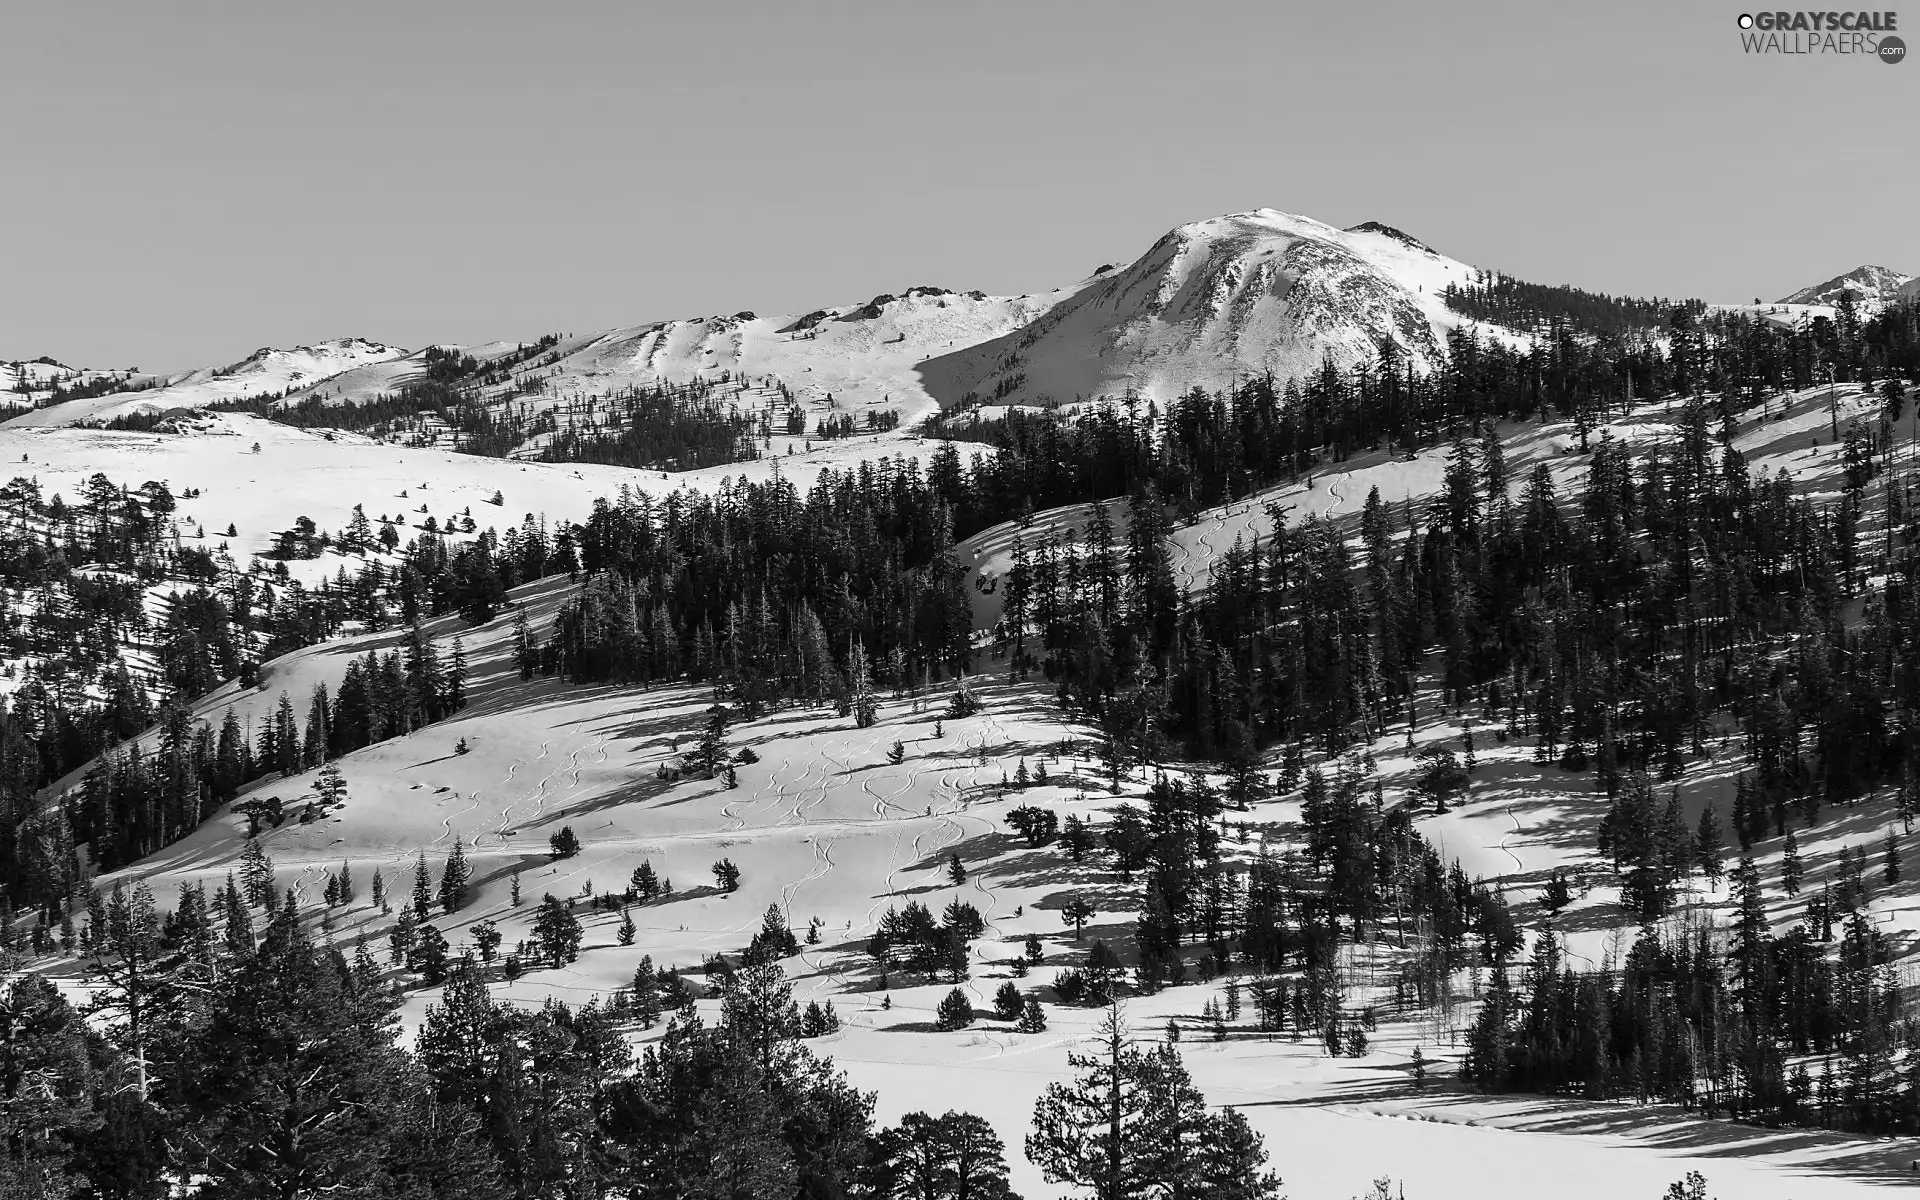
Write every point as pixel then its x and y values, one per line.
pixel 189 181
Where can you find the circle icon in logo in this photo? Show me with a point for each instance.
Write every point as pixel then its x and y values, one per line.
pixel 1746 20
pixel 1892 50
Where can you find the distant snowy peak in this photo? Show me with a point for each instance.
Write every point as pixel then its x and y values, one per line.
pixel 266 371
pixel 320 360
pixel 1874 286
pixel 1245 293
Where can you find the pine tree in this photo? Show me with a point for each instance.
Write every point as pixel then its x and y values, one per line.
pixel 864 704
pixel 455 683
pixel 237 921
pixel 524 657
pixel 1890 859
pixel 954 1011
pixel 454 878
pixel 1033 1018
pixel 1132 1123
pixel 963 703
pixel 422 889
pixel 1749 824
pixel 557 932
pixel 1558 892
pixel 775 939
pixel 331 788
pixel 1708 840
pixel 712 753
pixel 1076 838
pixel 644 883
pixel 956 1155
pixel 256 873
pixel 627 928
pixel 1790 866
pixel 1077 912
pixel 296 1078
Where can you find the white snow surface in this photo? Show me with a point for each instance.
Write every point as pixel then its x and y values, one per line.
pixel 266 370
pixel 1242 294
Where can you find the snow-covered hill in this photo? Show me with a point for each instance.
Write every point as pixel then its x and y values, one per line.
pixel 265 371
pixel 826 825
pixel 1246 293
pixel 846 360
pixel 1873 286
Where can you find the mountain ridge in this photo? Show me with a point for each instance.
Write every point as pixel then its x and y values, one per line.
pixel 1875 285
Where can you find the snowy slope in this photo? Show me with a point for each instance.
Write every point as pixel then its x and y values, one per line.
pixel 847 360
pixel 25 384
pixel 1873 286
pixel 1241 294
pixel 264 371
pixel 323 475
pixel 826 827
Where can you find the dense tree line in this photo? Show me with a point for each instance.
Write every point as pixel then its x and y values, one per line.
pixel 1517 304
pixel 1809 1028
pixel 130 804
pixel 659 426
pixel 663 427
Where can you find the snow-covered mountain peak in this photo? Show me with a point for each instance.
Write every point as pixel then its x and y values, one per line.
pixel 1873 286
pixel 1248 292
pixel 318 360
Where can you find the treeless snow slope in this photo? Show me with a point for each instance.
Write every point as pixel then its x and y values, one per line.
pixel 865 356
pixel 1248 293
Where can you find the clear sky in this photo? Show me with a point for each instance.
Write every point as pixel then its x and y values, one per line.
pixel 185 182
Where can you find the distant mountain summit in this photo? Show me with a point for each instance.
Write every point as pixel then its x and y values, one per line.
pixel 1872 285
pixel 1241 294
